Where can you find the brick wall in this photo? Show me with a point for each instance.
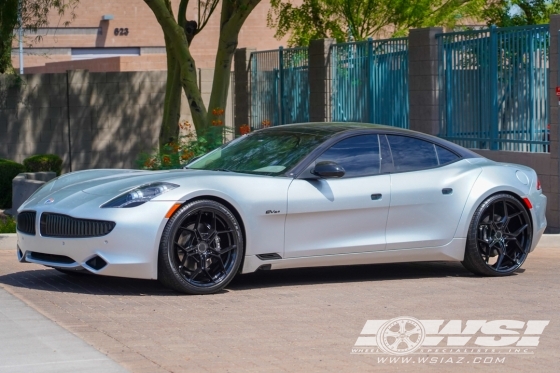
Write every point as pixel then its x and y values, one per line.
pixel 89 31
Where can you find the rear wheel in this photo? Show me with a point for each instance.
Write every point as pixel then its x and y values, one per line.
pixel 499 237
pixel 201 248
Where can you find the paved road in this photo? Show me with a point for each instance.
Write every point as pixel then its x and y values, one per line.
pixel 304 320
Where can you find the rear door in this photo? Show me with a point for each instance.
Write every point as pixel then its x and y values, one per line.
pixel 429 189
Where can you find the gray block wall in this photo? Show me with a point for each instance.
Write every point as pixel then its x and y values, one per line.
pixel 99 120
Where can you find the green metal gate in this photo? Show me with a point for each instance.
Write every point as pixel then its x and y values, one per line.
pixel 370 82
pixel 279 87
pixel 493 88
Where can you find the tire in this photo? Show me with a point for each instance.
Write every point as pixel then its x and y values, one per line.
pixel 201 248
pixel 499 237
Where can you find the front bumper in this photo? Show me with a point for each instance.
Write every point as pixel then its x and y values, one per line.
pixel 129 250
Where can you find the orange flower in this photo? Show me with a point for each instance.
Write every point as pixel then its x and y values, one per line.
pixel 187 155
pixel 244 129
pixel 185 125
pixel 217 122
pixel 217 112
pixel 165 159
pixel 149 162
pixel 265 123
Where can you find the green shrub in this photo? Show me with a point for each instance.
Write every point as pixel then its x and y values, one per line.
pixel 43 162
pixel 7 224
pixel 8 170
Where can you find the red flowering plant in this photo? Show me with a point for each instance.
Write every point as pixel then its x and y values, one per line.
pixel 176 154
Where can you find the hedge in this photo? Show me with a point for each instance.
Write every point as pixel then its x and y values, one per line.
pixel 8 170
pixel 43 162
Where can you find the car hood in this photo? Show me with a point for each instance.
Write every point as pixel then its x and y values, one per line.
pixel 111 183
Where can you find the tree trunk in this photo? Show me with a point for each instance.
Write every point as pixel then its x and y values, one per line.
pixel 179 44
pixel 8 21
pixel 231 22
pixel 169 131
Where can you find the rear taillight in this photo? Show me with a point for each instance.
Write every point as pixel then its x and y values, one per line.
pixel 538 184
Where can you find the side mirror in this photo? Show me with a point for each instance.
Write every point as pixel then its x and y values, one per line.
pixel 328 169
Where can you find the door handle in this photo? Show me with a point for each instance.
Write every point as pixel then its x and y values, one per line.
pixel 375 197
pixel 447 191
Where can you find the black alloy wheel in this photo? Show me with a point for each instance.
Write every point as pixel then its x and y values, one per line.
pixel 499 238
pixel 201 248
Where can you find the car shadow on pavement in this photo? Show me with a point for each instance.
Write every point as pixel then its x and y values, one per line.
pixel 52 280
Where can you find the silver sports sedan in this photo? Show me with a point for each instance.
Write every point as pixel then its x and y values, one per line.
pixel 301 195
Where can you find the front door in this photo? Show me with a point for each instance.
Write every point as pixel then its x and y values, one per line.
pixel 345 215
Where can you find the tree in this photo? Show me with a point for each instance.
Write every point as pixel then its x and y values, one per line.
pixel 506 13
pixel 364 18
pixel 34 14
pixel 181 73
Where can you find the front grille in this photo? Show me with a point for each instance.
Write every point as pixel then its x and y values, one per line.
pixel 58 225
pixel 26 222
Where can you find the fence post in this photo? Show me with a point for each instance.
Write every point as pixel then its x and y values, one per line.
pixel 553 192
pixel 242 93
pixel 493 88
pixel 281 70
pixel 370 80
pixel 424 114
pixel 320 80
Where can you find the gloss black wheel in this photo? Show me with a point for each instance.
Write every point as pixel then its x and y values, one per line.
pixel 201 248
pixel 499 238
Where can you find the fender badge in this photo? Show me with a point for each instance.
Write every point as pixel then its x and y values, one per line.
pixel 50 200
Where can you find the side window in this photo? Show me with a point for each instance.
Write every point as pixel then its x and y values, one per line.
pixel 445 156
pixel 358 155
pixel 411 154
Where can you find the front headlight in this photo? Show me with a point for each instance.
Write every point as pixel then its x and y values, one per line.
pixel 140 195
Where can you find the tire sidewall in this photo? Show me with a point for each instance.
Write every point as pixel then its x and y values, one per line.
pixel 473 258
pixel 166 259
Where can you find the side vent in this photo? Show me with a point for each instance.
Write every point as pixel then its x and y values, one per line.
pixel 269 256
pixel 96 263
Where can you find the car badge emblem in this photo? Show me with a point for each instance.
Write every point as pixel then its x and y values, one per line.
pixel 50 200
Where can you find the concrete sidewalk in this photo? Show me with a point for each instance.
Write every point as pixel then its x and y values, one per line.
pixel 29 342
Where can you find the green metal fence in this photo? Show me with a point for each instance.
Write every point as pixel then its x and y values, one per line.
pixel 279 87
pixel 493 88
pixel 370 82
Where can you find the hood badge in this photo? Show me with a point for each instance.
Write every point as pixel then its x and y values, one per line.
pixel 49 201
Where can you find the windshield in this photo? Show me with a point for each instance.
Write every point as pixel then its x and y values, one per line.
pixel 264 152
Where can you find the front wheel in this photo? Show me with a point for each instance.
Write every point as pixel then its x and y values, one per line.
pixel 499 237
pixel 201 248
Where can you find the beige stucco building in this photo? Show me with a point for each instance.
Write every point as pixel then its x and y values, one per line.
pixel 124 35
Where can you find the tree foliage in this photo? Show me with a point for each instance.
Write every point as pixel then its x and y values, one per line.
pixel 364 18
pixel 507 13
pixel 34 14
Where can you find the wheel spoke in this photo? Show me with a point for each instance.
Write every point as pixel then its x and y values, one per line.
pixel 209 275
pixel 195 273
pixel 517 232
pixel 500 260
pixel 518 247
pixel 228 249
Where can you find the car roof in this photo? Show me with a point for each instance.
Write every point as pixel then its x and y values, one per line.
pixel 332 129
